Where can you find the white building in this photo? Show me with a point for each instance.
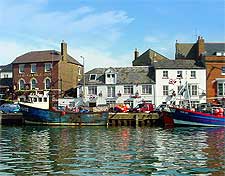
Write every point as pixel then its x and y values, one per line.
pixel 6 71
pixel 172 75
pixel 124 85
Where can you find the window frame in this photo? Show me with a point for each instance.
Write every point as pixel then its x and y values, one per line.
pixel 193 76
pixel 111 91
pixel 165 90
pixel 128 89
pixel 48 69
pixel 165 74
pixel 32 66
pixel 21 68
pixel 92 79
pixel 147 89
pixel 92 90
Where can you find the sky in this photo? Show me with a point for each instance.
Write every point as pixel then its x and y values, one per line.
pixel 106 32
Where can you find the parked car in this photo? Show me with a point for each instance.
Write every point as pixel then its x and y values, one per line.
pixel 144 107
pixel 9 108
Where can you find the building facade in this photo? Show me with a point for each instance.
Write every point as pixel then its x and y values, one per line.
pixel 46 70
pixel 124 85
pixel 174 76
pixel 212 56
pixel 5 81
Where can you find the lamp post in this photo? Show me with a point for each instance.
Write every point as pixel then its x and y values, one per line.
pixel 83 78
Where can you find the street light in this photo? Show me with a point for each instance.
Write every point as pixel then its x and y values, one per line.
pixel 83 78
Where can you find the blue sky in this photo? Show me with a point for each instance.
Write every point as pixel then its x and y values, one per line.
pixel 106 32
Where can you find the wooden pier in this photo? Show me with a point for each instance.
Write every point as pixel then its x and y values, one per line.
pixel 11 119
pixel 133 119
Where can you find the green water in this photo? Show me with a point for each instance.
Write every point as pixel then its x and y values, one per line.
pixel 33 150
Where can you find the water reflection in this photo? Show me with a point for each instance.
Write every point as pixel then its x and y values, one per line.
pixel 111 151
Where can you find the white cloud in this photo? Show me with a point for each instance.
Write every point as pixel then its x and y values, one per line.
pixel 27 26
pixel 10 50
pixel 97 58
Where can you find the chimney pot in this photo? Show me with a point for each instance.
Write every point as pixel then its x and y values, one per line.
pixel 136 54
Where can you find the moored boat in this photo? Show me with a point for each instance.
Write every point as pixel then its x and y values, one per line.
pixel 181 116
pixel 39 116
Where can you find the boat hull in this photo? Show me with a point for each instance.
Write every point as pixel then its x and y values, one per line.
pixel 39 116
pixel 190 118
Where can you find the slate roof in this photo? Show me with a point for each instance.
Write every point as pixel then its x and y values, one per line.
pixel 178 64
pixel 147 58
pixel 43 56
pixel 6 68
pixel 212 48
pixel 125 75
pixel 186 50
pixel 189 50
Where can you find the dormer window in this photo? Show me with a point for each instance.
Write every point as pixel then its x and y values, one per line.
pixel 110 76
pixel 92 77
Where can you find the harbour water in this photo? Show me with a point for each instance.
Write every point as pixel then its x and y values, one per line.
pixel 81 151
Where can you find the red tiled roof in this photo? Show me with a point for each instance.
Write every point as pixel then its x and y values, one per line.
pixel 43 56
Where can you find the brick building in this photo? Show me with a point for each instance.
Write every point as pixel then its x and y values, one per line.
pixel 45 70
pixel 212 56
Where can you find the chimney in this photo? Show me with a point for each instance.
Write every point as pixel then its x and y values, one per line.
pixel 136 54
pixel 64 50
pixel 200 47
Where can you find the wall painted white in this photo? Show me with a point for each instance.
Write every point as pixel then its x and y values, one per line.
pixel 199 80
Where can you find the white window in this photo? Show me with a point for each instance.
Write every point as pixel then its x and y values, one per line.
pixel 33 83
pixel 165 90
pixel 92 90
pixel 165 74
pixel 128 89
pixel 147 89
pixel 33 68
pixel 179 74
pixel 194 90
pixel 21 84
pixel 223 71
pixel 221 89
pixel 111 91
pixel 48 67
pixel 47 83
pixel 92 77
pixel 21 68
pixel 193 74
pixel 5 75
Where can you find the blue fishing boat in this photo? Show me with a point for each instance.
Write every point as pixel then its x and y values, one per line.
pixel 39 116
pixel 181 116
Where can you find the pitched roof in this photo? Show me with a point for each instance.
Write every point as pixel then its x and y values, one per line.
pixel 178 64
pixel 125 75
pixel 148 57
pixel 43 56
pixel 189 50
pixel 186 50
pixel 212 48
pixel 6 68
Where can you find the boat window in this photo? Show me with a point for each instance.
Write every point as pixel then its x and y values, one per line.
pixel 45 99
pixel 35 99
pixel 40 99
